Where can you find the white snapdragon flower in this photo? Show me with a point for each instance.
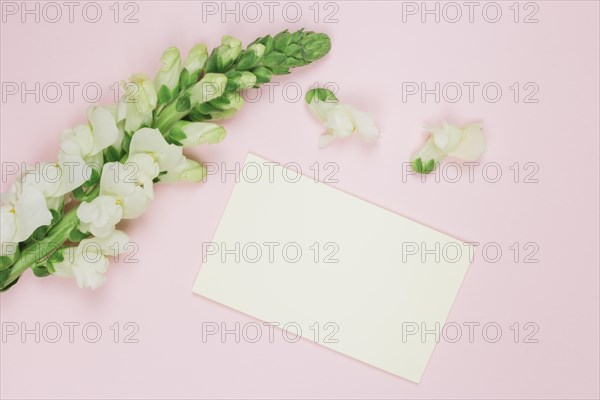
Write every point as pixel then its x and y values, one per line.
pixel 56 179
pixel 88 141
pixel 152 143
pixel 466 143
pixel 138 102
pixel 126 189
pixel 120 198
pixel 23 210
pixel 168 74
pixel 88 261
pixel 80 151
pixel 341 120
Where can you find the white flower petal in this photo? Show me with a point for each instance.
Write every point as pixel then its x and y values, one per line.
pixel 472 145
pixel 339 122
pixel 364 124
pixel 64 269
pixel 31 212
pixel 104 128
pixel 447 137
pixel 151 141
pixel 114 244
pixel 325 139
pixel 100 215
pixel 8 224
pixel 135 203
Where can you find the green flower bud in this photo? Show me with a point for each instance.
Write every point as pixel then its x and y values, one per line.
pixel 224 55
pixel 315 46
pixel 190 134
pixel 196 58
pixel 237 80
pixel 210 87
pixel 229 104
pixel 263 74
pixel 167 78
pixel 186 171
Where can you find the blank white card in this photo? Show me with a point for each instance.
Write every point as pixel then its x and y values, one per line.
pixel 333 268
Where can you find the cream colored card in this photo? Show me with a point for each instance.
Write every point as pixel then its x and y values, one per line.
pixel 340 271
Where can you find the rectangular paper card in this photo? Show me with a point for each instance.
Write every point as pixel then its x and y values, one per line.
pixel 333 268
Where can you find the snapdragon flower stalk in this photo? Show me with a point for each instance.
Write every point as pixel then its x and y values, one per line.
pixel 49 226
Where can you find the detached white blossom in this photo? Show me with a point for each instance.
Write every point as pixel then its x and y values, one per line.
pixel 88 261
pixel 340 120
pixel 467 143
pixel 195 133
pixel 138 102
pixel 23 210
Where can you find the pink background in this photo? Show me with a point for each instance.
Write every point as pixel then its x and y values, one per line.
pixel 373 53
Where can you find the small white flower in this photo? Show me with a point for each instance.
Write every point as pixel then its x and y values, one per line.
pixel 341 120
pixel 467 143
pixel 138 102
pixel 23 210
pixel 88 261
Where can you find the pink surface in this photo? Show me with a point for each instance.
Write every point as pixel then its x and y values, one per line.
pixel 374 53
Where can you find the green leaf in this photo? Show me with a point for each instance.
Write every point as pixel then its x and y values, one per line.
pixel 111 154
pixel 423 168
pixel 197 116
pixel 40 271
pixel 94 178
pixel 246 61
pixel 321 94
pixel 127 141
pixel 3 277
pixel 56 216
pixel 183 103
pixel 176 135
pixel 263 75
pixel 57 256
pixel 164 95
pixel 282 40
pixel 77 236
pixel 275 59
pixel 78 193
pixel 40 233
pixel 184 78
pixel 293 50
pixel 266 41
pixel 281 70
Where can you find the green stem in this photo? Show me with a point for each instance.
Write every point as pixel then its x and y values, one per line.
pixel 168 116
pixel 38 250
